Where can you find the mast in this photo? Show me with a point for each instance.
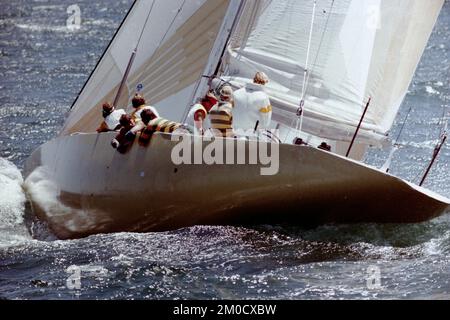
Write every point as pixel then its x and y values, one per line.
pixel 212 68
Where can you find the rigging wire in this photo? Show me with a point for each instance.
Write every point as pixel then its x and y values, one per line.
pixel 103 55
pixel 314 65
pixel 301 111
pixel 167 31
pixel 396 143
pixel 308 51
pixel 145 24
pixel 305 83
pixel 132 58
pixel 443 122
pixel 172 22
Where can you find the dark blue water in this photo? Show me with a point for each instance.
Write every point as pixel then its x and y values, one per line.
pixel 43 66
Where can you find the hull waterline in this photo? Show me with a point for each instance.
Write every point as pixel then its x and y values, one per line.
pixel 80 186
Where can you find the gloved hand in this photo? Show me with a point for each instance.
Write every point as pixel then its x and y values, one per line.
pixel 130 136
pixel 115 144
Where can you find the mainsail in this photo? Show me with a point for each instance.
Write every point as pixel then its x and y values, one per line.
pixel 358 50
pixel 182 40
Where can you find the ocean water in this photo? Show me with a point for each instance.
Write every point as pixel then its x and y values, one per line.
pixel 43 66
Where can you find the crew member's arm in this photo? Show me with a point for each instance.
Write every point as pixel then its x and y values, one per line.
pixel 115 143
pixel 199 119
pixel 103 128
pixel 138 127
pixel 146 135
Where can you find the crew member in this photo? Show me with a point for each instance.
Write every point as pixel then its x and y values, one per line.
pixel 122 141
pixel 252 105
pixel 111 118
pixel 198 114
pixel 153 124
pixel 221 115
pixel 139 105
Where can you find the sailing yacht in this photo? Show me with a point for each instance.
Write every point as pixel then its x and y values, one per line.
pixel 339 71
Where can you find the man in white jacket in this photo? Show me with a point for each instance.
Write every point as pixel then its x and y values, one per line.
pixel 252 105
pixel 111 118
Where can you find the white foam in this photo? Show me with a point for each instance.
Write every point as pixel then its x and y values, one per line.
pixel 44 192
pixel 431 90
pixel 12 205
pixel 12 197
pixel 42 28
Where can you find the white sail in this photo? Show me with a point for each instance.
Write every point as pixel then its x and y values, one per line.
pixel 179 42
pixel 248 20
pixel 359 49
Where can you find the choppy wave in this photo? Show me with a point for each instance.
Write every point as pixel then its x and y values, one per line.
pixel 47 7
pixel 266 262
pixel 429 144
pixel 431 90
pixel 44 28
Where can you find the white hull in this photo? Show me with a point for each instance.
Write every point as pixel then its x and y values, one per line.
pixel 81 186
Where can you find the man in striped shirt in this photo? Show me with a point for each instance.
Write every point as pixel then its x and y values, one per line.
pixel 154 123
pixel 221 115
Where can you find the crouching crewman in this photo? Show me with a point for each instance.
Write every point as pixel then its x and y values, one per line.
pixel 111 118
pixel 154 124
pixel 122 142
